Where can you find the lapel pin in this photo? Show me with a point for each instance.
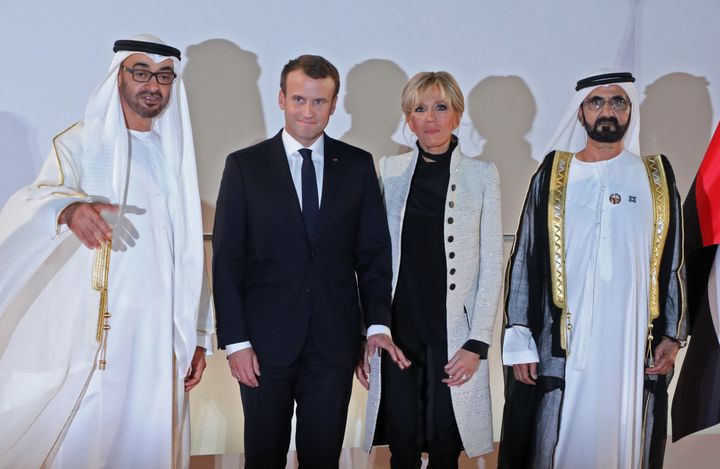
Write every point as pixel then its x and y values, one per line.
pixel 335 159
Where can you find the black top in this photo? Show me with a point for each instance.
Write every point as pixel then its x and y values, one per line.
pixel 419 308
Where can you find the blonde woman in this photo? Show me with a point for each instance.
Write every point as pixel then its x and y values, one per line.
pixel 443 211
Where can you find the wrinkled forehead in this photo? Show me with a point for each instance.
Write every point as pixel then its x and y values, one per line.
pixel 607 92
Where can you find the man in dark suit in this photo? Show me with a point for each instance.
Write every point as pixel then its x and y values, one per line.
pixel 300 233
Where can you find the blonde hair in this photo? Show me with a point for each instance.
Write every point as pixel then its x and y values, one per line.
pixel 423 82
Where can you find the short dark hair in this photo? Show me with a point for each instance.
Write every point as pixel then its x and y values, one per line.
pixel 314 66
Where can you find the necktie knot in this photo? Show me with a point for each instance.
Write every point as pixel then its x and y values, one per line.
pixel 306 153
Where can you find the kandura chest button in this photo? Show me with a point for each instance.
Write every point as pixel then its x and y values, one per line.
pixel 452 286
pixel 453 187
pixel 452 271
pixel 451 239
pixel 451 255
pixel 450 220
pixel 451 204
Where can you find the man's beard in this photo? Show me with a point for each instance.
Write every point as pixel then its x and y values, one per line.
pixel 606 130
pixel 136 104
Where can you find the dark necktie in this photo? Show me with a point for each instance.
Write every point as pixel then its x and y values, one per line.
pixel 310 206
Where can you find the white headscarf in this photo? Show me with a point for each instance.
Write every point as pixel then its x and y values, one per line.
pixel 571 134
pixel 105 170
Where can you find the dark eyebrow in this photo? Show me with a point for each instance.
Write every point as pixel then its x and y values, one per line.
pixel 166 68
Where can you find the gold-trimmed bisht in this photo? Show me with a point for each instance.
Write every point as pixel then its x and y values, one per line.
pixel 660 195
pixel 101 273
pixel 61 173
pixel 556 235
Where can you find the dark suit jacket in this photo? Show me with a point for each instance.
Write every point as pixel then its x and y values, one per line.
pixel 272 284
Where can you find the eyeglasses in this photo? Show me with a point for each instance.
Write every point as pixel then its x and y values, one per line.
pixel 617 103
pixel 143 76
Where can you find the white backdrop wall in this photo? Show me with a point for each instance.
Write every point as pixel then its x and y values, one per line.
pixel 517 62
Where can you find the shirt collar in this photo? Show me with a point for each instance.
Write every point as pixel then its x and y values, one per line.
pixel 292 146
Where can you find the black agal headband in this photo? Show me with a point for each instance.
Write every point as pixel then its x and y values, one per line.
pixel 605 79
pixel 148 47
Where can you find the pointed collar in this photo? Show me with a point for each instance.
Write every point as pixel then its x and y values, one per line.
pixel 292 146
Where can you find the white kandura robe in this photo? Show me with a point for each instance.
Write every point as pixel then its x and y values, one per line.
pixel 607 261
pixel 125 418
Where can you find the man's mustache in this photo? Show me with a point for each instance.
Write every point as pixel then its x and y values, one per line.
pixel 152 94
pixel 606 122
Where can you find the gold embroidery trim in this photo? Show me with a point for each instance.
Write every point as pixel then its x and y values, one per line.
pixel 61 174
pixel 556 236
pixel 100 275
pixel 661 211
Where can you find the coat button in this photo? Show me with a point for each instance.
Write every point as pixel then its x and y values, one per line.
pixel 451 239
pixel 452 286
pixel 450 220
pixel 313 255
pixel 307 289
pixel 452 271
pixel 452 188
pixel 451 204
pixel 451 255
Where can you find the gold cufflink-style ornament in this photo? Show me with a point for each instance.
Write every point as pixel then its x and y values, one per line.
pixel 650 337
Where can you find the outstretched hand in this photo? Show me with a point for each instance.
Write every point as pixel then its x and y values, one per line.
pixel 85 220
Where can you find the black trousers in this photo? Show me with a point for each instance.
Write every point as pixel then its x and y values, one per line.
pixel 322 394
pixel 418 410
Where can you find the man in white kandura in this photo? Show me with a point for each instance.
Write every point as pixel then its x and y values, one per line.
pixel 104 310
pixel 594 303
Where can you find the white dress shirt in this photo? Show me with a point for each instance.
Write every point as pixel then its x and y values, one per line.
pixel 295 160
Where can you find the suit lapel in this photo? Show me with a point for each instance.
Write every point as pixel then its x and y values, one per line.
pixel 277 160
pixel 331 183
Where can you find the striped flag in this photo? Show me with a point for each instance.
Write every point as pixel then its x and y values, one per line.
pixel 707 193
pixel 696 404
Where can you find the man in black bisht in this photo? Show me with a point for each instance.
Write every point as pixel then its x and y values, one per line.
pixel 595 303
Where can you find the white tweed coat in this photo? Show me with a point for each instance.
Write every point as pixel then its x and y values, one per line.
pixel 473 246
